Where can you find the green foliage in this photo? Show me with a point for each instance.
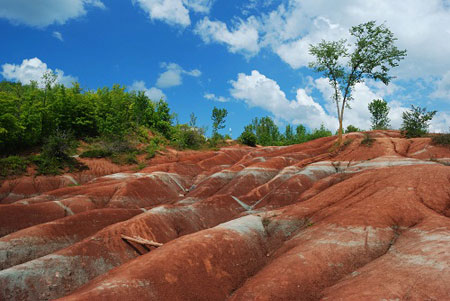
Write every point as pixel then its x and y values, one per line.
pixel 351 129
pixel 151 149
pixel 187 137
pixel 373 55
pixel 218 118
pixel 441 139
pixel 59 146
pixel 29 114
pixel 300 134
pixel 266 132
pixel 289 136
pixel 379 110
pixel 192 120
pixel 416 121
pixel 247 138
pixel 216 140
pixel 13 166
pixel 367 141
pixel 56 154
pixel 96 153
pixel 319 133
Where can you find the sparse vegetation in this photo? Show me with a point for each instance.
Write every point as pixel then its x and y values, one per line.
pixel 218 118
pixel 416 122
pixel 367 141
pixel 267 133
pixel 352 129
pixel 56 155
pixel 248 138
pixel 13 165
pixel 441 139
pixel 379 110
pixel 188 137
pixel 374 54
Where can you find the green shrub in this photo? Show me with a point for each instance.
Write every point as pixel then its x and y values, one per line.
pixel 13 166
pixel 319 133
pixel 131 159
pixel 216 141
pixel 56 155
pixel 367 141
pixel 141 165
pixel 248 138
pixel 416 122
pixel 151 149
pixel 96 153
pixel 352 129
pixel 441 139
pixel 186 137
pixel 59 146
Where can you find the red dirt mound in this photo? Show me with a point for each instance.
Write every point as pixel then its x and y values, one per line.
pixel 303 222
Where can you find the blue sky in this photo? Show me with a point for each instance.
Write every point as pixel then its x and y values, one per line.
pixel 249 57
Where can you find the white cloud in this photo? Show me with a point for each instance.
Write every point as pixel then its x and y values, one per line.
pixel 173 75
pixel 440 123
pixel 174 12
pixel 422 27
pixel 443 87
pixel 199 6
pixel 212 96
pixel 363 94
pixel 152 93
pixel 45 12
pixel 33 70
pixel 58 35
pixel 296 52
pixel 256 90
pixel 242 38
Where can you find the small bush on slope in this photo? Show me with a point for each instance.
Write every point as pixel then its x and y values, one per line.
pixel 441 139
pixel 416 122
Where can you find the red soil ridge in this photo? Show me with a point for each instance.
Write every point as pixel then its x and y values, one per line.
pixel 303 222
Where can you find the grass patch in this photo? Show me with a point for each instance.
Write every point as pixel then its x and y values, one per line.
pixel 13 166
pixel 336 147
pixel 55 157
pixel 367 141
pixel 441 139
pixel 96 153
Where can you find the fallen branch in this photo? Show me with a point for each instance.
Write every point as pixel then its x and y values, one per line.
pixel 142 241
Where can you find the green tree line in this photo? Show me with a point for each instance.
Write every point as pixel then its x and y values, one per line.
pixel 30 114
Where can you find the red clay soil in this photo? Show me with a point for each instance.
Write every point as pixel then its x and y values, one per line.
pixel 304 222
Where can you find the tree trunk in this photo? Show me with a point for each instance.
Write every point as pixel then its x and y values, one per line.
pixel 340 132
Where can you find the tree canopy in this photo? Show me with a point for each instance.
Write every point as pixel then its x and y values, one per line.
pixel 379 110
pixel 372 56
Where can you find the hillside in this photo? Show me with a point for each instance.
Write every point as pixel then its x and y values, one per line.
pixel 300 222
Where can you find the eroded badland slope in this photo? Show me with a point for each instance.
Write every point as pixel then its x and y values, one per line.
pixel 303 222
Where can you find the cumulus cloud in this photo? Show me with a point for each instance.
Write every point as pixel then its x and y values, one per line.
pixel 256 90
pixel 58 35
pixel 212 96
pixel 243 37
pixel 173 12
pixel 440 123
pixel 45 12
pixel 363 94
pixel 422 27
pixel 173 75
pixel 153 93
pixel 33 70
pixel 199 6
pixel 443 87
